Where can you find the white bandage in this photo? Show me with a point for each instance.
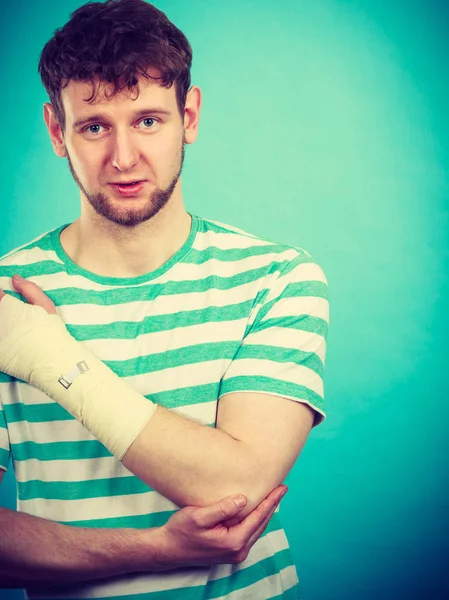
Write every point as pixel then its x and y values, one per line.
pixel 36 347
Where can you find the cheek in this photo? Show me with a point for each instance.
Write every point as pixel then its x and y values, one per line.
pixel 163 155
pixel 170 141
pixel 87 161
pixel 169 150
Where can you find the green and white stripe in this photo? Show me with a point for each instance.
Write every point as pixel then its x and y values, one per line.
pixel 229 312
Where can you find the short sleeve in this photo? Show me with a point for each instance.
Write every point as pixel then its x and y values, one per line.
pixel 5 450
pixel 284 347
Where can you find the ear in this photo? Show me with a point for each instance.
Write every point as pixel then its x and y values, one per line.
pixel 54 130
pixel 192 114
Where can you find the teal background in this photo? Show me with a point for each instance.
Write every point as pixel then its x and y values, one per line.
pixel 324 125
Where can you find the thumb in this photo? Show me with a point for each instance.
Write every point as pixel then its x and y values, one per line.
pixel 33 294
pixel 210 516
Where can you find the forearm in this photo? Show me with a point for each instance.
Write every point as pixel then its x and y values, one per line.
pixel 193 464
pixel 35 552
pixel 38 554
pixel 187 462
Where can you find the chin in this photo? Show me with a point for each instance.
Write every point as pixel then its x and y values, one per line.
pixel 126 216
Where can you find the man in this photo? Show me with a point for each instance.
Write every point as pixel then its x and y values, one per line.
pixel 171 362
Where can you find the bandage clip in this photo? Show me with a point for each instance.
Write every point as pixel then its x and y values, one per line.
pixel 67 379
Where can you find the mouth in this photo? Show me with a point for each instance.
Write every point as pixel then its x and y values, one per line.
pixel 128 188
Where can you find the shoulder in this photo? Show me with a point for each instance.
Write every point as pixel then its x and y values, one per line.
pixel 41 242
pixel 281 260
pixel 28 259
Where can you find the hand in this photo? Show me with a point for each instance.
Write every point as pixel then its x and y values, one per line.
pixel 17 319
pixel 193 536
pixel 198 537
pixel 32 294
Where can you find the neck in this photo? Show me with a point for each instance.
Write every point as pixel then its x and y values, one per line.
pixel 111 250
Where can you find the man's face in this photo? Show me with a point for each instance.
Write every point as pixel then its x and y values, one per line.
pixel 126 152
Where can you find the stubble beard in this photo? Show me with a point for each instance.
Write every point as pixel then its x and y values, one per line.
pixel 125 216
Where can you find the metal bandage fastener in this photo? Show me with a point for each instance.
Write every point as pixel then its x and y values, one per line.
pixel 67 379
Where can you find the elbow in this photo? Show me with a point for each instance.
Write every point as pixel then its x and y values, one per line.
pixel 256 491
pixel 254 481
pixel 247 474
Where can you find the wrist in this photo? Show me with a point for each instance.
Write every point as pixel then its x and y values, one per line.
pixel 37 348
pixel 127 551
pixel 151 551
pixel 108 552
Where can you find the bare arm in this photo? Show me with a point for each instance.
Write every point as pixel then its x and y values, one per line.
pixel 37 553
pixel 257 440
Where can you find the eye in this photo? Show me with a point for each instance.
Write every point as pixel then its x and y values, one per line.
pixel 94 129
pixel 147 123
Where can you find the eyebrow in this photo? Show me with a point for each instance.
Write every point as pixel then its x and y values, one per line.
pixel 102 117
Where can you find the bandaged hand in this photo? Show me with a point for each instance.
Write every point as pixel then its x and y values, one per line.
pixel 37 348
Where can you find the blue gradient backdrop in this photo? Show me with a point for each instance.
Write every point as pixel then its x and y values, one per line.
pixel 324 125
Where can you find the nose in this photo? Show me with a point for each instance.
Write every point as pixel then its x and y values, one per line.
pixel 124 153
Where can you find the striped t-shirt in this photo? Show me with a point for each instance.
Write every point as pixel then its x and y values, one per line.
pixel 228 312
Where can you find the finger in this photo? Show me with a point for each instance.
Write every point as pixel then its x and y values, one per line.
pixel 272 496
pixel 256 535
pixel 243 553
pixel 210 516
pixel 33 294
pixel 251 523
pixel 2 295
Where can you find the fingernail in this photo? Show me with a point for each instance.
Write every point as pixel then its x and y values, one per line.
pixel 284 492
pixel 18 278
pixel 240 501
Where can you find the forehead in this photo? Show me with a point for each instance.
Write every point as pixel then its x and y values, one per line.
pixel 148 93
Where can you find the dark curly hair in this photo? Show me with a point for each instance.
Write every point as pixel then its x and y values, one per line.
pixel 115 42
